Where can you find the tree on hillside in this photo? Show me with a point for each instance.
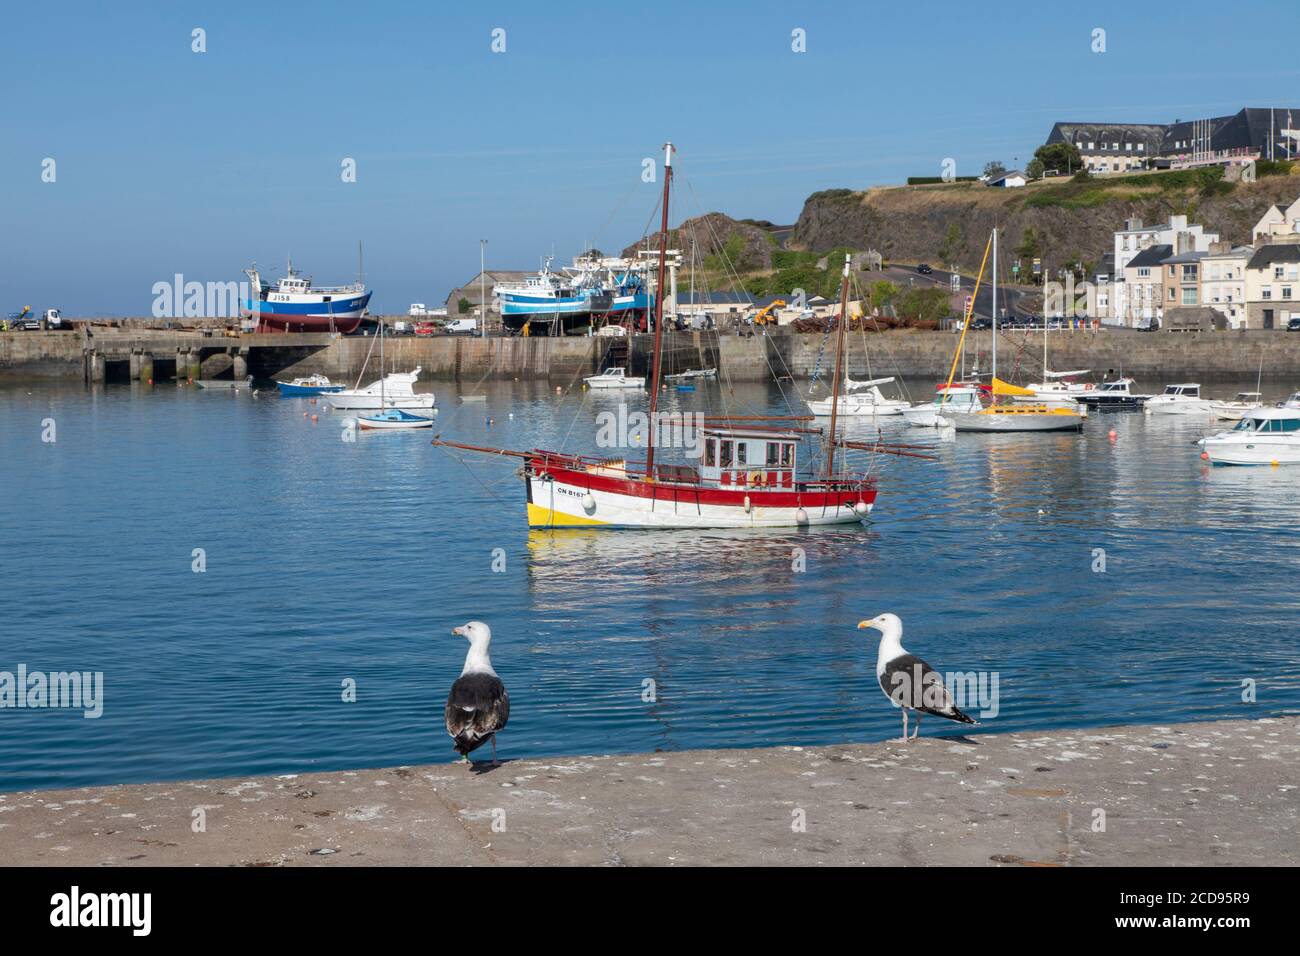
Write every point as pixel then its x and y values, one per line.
pixel 1028 248
pixel 1062 157
pixel 1035 169
pixel 951 242
pixel 994 168
pixel 882 293
pixel 923 305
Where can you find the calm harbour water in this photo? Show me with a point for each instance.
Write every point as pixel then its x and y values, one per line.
pixel 329 561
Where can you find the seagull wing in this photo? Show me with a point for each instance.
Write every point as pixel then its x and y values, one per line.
pixel 477 707
pixel 910 682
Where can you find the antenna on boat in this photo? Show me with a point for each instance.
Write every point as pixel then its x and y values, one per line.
pixel 659 313
pixel 839 361
pixel 360 266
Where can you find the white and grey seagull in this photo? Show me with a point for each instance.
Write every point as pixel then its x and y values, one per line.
pixel 478 705
pixel 908 681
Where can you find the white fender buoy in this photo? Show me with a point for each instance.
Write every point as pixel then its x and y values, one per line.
pixel 801 516
pixel 748 506
pixel 862 508
pixel 588 503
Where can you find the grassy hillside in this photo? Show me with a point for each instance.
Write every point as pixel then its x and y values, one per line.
pixel 1059 221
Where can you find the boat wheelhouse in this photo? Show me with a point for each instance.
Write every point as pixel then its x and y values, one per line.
pixel 614 378
pixel 593 291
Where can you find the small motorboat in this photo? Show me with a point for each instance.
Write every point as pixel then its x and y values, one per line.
pixel 224 383
pixel 394 418
pixel 1264 436
pixel 614 378
pixel 311 385
pixel 1116 394
pixel 1184 399
pixel 1233 410
pixel 960 398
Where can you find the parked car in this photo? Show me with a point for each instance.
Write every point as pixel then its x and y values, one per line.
pixel 425 328
pixel 980 323
pixel 924 269
pixel 1148 325
pixel 1294 324
pixel 461 326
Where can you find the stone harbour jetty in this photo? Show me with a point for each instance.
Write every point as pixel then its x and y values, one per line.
pixel 1219 793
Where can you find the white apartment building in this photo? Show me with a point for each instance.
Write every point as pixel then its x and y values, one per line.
pixel 1135 238
pixel 1223 282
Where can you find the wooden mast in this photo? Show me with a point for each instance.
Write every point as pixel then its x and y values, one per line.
pixel 839 360
pixel 659 313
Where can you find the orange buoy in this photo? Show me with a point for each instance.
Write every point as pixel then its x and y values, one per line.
pixel 304 414
pixel 1205 456
pixel 313 418
pixel 150 381
pixel 1112 434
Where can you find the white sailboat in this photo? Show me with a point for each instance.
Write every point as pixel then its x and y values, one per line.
pixel 862 398
pixel 1009 417
pixel 391 416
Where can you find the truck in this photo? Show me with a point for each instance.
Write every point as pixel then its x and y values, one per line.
pixel 461 326
pixel 52 319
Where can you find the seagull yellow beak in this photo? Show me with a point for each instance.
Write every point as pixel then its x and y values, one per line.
pixel 862 624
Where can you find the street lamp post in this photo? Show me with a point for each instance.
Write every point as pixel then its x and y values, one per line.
pixel 482 287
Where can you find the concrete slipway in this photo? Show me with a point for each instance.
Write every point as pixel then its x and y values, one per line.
pixel 1216 793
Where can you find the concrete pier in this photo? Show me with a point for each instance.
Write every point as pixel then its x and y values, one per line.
pixel 1155 359
pixel 1215 793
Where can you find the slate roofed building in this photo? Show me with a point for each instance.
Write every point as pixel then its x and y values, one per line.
pixel 1111 147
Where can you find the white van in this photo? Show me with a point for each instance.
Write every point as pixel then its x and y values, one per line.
pixel 456 326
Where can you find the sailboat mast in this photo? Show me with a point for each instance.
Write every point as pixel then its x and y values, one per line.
pixel 659 312
pixel 995 301
pixel 839 361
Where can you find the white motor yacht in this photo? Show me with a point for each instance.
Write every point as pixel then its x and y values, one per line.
pixel 1264 436
pixel 1184 399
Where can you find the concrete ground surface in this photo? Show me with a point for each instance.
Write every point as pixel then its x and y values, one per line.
pixel 1216 793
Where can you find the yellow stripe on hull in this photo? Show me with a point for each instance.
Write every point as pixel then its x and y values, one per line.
pixel 540 517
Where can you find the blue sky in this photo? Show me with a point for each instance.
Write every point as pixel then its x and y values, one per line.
pixel 170 161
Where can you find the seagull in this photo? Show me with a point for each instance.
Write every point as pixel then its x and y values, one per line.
pixel 909 682
pixel 478 705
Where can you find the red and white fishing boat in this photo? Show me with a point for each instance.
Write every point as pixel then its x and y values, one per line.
pixel 747 475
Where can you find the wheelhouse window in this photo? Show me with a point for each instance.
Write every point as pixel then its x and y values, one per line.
pixel 742 452
pixel 773 454
pixel 787 455
pixel 710 452
pixel 726 458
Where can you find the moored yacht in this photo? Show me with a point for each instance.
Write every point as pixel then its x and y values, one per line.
pixel 1112 395
pixel 1184 399
pixel 396 390
pixel 865 398
pixel 615 378
pixel 1233 410
pixel 1264 436
pixel 956 398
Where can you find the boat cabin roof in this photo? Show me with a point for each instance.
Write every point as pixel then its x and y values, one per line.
pixel 1272 414
pixel 751 433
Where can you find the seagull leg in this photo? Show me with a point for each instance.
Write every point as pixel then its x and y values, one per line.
pixel 905 738
pixel 495 762
pixel 916 733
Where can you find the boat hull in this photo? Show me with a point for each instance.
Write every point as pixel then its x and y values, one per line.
pixel 1019 422
pixel 297 391
pixel 349 403
pixel 561 498
pixel 1254 452
pixel 342 314
pixel 1192 407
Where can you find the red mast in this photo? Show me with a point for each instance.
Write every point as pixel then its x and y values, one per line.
pixel 659 313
